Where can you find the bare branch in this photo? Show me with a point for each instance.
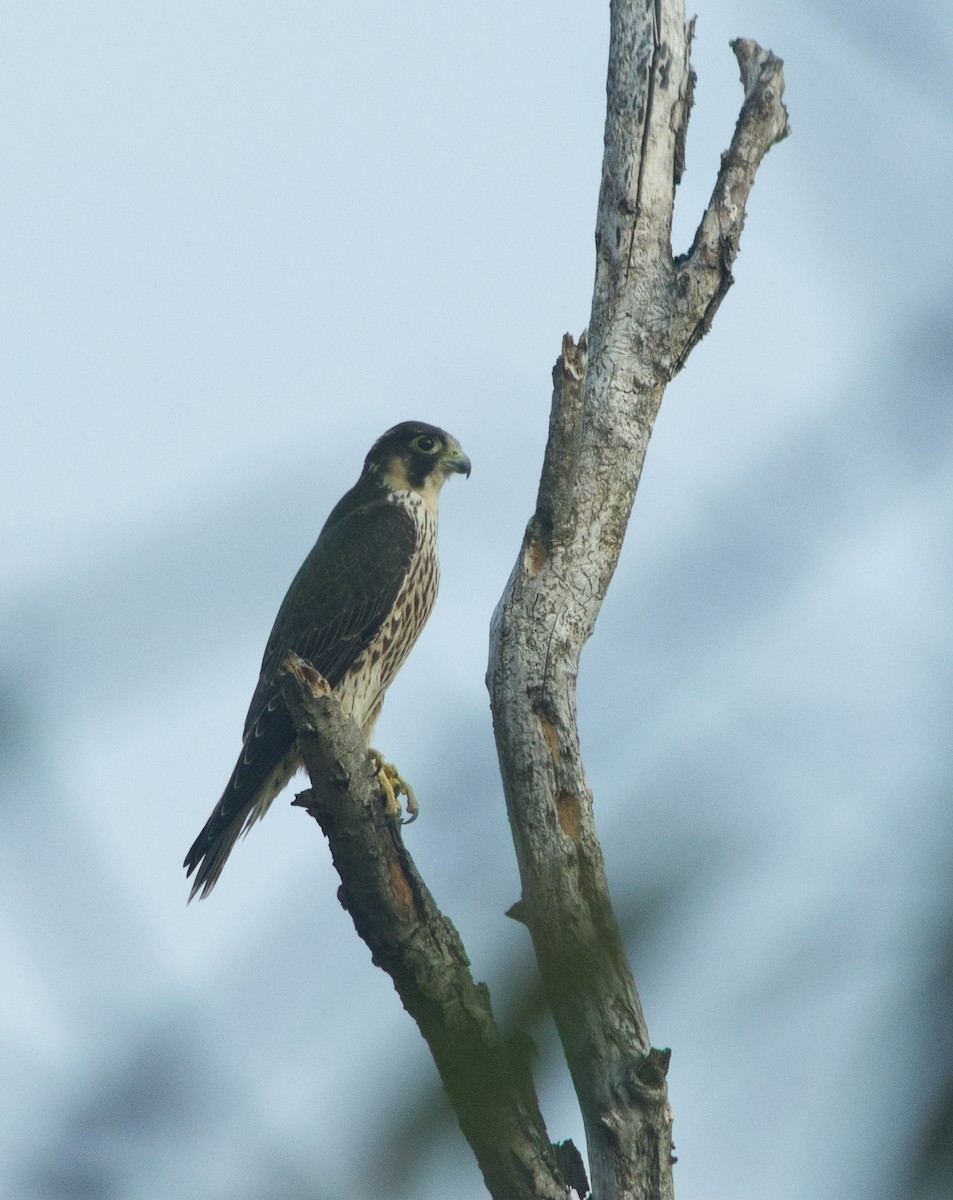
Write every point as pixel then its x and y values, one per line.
pixel 537 632
pixel 706 274
pixel 763 121
pixel 487 1077
pixel 647 313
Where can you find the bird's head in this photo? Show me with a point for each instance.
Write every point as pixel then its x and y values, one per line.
pixel 417 457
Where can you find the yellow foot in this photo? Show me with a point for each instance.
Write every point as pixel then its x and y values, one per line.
pixel 392 783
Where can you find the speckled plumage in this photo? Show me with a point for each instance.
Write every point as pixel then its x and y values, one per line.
pixel 354 609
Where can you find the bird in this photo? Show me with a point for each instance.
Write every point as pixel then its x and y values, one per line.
pixel 354 611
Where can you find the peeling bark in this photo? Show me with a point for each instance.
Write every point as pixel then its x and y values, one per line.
pixel 648 311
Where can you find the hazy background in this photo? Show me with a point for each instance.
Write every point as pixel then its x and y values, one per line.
pixel 237 242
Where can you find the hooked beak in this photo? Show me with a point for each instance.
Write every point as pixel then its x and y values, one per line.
pixel 454 460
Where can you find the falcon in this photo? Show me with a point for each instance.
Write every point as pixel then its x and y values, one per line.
pixel 354 610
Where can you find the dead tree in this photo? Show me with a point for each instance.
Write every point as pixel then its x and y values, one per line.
pixel 649 309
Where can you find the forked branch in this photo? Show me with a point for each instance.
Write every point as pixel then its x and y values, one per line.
pixel 648 311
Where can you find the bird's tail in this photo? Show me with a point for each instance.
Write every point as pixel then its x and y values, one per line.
pixel 210 850
pixel 255 782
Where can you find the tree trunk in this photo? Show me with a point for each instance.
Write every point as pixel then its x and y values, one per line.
pixel 648 311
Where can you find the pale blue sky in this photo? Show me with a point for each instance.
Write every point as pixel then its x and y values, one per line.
pixel 237 242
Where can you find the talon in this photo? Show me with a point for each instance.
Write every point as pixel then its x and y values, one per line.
pixel 413 808
pixel 392 784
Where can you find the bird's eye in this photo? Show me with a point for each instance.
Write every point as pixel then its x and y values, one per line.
pixel 424 443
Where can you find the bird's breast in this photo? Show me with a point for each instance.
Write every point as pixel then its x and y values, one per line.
pixel 362 689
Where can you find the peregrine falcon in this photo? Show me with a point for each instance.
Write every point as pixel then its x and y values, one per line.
pixel 354 610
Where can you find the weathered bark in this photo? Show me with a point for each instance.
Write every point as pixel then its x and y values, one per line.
pixel 649 309
pixel 487 1077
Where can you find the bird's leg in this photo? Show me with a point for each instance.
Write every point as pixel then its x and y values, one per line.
pixel 392 783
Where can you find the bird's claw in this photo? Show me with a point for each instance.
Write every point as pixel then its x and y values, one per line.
pixel 392 784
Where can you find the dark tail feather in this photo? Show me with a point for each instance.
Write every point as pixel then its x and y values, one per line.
pixel 211 848
pixel 268 760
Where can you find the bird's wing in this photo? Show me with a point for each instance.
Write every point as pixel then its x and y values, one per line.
pixel 339 599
